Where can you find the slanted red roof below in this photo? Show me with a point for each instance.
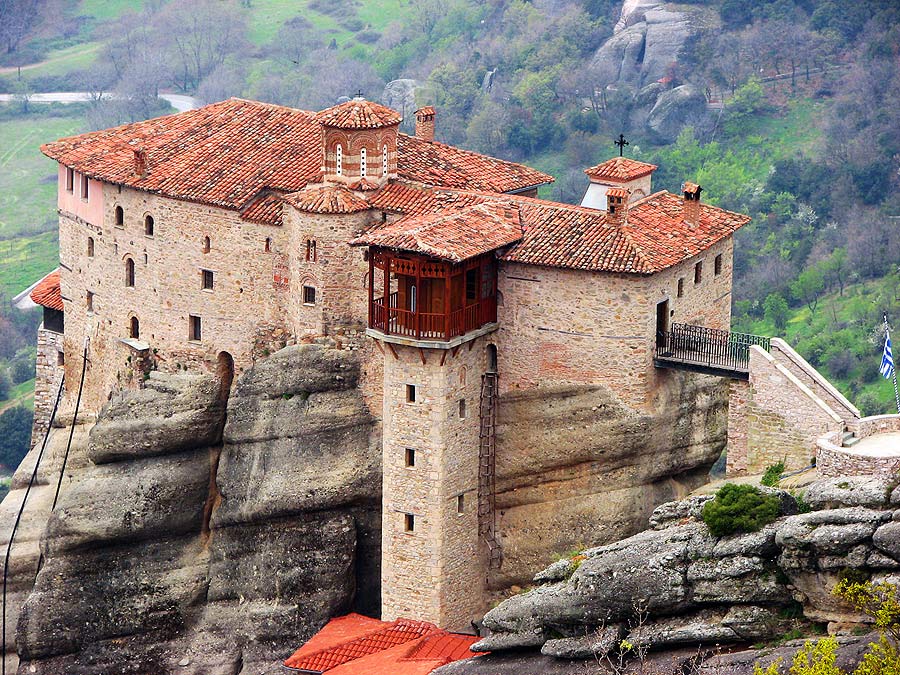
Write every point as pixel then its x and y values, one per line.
pixel 47 293
pixel 453 235
pixel 328 198
pixel 421 655
pixel 620 169
pixel 390 635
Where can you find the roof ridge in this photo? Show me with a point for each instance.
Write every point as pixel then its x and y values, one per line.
pixel 264 104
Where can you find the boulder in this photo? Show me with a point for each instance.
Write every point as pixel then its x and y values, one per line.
pixel 674 110
pixel 595 643
pixel 833 493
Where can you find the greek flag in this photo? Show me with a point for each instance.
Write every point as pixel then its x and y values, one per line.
pixel 887 360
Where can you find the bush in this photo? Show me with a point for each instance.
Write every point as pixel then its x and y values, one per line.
pixel 15 435
pixel 739 508
pixel 773 474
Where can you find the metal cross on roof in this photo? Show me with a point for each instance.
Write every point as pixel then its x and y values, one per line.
pixel 359 94
pixel 621 142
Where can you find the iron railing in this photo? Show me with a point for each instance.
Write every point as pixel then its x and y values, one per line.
pixel 709 347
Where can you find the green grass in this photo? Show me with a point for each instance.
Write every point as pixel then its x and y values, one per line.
pixel 25 260
pixel 21 394
pixel 28 178
pixel 793 131
pixel 108 10
pixel 841 322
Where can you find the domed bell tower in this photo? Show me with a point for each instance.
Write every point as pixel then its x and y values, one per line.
pixel 359 140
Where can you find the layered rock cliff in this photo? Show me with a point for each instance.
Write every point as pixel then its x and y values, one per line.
pixel 697 589
pixel 196 540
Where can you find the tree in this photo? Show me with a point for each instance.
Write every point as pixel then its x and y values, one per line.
pixel 776 310
pixel 5 384
pixel 808 287
pixel 15 435
pixel 17 18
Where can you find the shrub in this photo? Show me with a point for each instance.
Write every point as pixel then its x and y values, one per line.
pixel 772 474
pixel 739 508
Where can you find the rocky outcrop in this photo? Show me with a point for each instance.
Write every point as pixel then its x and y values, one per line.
pixel 674 109
pixel 579 468
pixel 194 541
pixel 694 588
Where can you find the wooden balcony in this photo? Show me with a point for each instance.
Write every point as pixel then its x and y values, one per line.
pixel 435 302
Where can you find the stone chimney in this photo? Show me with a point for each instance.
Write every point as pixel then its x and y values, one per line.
pixel 617 206
pixel 691 212
pixel 425 123
pixel 140 162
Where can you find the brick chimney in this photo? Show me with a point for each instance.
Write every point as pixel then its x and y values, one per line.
pixel 140 162
pixel 691 212
pixel 617 206
pixel 425 123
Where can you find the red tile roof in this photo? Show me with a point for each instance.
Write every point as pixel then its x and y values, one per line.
pixel 370 642
pixel 691 188
pixel 617 192
pixel 47 294
pixel 417 656
pixel 226 153
pixel 364 185
pixel 359 114
pixel 266 209
pixel 327 198
pixel 621 169
pixel 433 163
pixel 654 237
pixel 451 234
pixel 426 110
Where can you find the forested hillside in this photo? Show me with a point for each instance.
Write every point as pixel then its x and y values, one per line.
pixel 783 109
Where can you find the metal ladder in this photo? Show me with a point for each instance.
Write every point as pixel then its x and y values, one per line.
pixel 487 488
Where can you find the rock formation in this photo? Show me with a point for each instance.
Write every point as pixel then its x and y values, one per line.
pixel 196 542
pixel 699 589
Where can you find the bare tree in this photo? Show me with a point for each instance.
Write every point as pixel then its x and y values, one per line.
pixel 17 19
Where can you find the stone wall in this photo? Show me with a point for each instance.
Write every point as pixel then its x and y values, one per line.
pixel 783 417
pixel 436 571
pixel 832 459
pixel 47 375
pixel 560 327
pixel 737 451
pixel 813 379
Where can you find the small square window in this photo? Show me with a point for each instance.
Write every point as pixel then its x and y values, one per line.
pixel 717 265
pixel 410 393
pixel 462 408
pixel 410 456
pixel 207 280
pixel 194 328
pixel 681 287
pixel 460 504
pixel 698 272
pixel 409 522
pixel 309 295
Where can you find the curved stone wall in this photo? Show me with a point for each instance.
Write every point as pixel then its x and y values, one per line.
pixel 833 460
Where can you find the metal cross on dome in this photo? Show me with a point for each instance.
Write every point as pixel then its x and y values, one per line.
pixel 621 142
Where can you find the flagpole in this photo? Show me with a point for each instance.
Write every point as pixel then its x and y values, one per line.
pixel 887 336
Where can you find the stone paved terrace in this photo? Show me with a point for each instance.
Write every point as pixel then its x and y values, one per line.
pixel 879 445
pixel 876 453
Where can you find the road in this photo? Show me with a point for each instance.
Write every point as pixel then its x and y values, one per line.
pixel 180 102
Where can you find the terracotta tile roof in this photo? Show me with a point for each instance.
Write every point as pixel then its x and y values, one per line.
pixel 426 110
pixel 452 233
pixel 657 228
pixel 371 642
pixel 265 209
pixel 399 197
pixel 47 294
pixel 226 153
pixel 434 163
pixel 359 114
pixel 620 169
pixel 617 192
pixel 420 655
pixel 327 198
pixel 691 188
pixel 364 185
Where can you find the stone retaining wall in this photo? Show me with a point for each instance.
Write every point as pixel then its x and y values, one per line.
pixel 47 375
pixel 834 461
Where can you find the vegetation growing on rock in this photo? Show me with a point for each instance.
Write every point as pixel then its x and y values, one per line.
pixel 739 508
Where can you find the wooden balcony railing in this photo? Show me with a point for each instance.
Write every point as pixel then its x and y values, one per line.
pixel 391 320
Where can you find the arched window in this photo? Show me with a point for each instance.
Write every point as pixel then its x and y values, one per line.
pixel 206 244
pixel 120 216
pixel 311 250
pixel 268 245
pixel 384 160
pixel 129 272
pixel 362 162
pixel 339 160
pixel 135 327
pixel 492 358
pixel 90 248
pixel 148 225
